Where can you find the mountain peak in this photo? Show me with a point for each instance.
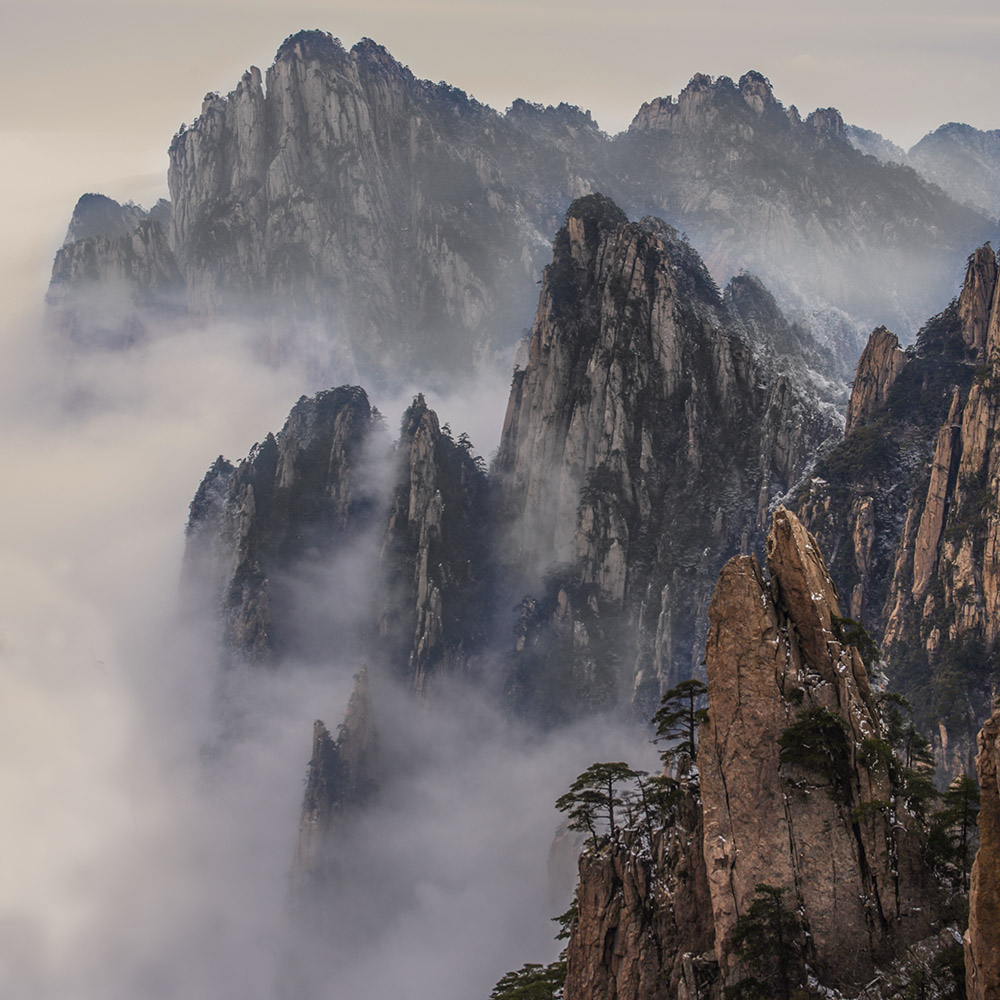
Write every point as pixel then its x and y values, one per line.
pixel 310 44
pixel 756 90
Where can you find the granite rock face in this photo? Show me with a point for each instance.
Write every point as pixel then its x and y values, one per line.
pixel 322 541
pixel 644 929
pixel 786 794
pixel 435 598
pixel 398 219
pixel 852 864
pixel 982 940
pixel 642 445
pixel 375 225
pixel 879 366
pixel 344 775
pixel 710 160
pixel 907 508
pixel 300 501
pixel 109 286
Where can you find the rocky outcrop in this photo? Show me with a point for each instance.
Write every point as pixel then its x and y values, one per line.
pixel 344 775
pixel 98 215
pixel 268 538
pixel 107 288
pixel 878 368
pixel 796 790
pixel 400 219
pixel 982 940
pixel 436 591
pixel 906 506
pixel 322 540
pixel 693 160
pixel 642 445
pixel 828 835
pixel 378 225
pixel 643 929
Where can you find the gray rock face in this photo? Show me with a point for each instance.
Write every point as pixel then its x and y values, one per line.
pixel 314 546
pixel 709 162
pixel 642 445
pixel 298 501
pixel 344 775
pixel 107 287
pixel 401 219
pixel 435 599
pixel 380 225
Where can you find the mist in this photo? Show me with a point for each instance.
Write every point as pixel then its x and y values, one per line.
pixel 149 849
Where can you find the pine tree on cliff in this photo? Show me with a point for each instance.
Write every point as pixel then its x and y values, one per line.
pixel 678 720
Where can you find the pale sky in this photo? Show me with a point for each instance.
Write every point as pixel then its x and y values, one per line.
pixel 96 89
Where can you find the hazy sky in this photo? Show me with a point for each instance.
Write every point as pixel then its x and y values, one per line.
pixel 96 90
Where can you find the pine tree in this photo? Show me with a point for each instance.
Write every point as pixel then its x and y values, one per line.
pixel 677 721
pixel 767 940
pixel 594 797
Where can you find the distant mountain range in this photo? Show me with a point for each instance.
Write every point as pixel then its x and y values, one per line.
pixel 381 226
pixel 963 161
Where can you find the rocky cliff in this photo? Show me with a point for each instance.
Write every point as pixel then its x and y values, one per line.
pixel 344 774
pixel 642 445
pixel 907 507
pixel 435 600
pixel 644 927
pixel 272 535
pixel 324 539
pixel 982 940
pixel 375 224
pixel 799 801
pixel 115 275
pixel 826 825
pixel 758 187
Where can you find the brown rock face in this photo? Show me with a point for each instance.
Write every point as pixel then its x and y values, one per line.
pixel 646 437
pixel 907 507
pixel 879 366
pixel 982 940
pixel 976 300
pixel 343 775
pixel 644 921
pixel 828 837
pixel 789 795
